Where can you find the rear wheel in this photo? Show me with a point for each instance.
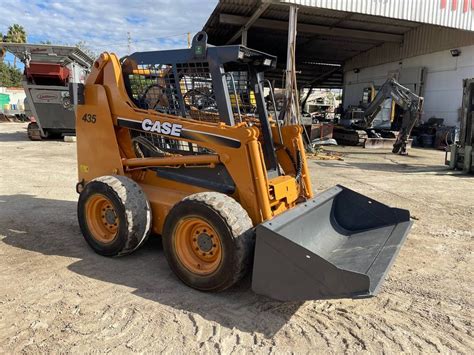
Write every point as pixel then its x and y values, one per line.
pixel 208 240
pixel 114 215
pixel 33 131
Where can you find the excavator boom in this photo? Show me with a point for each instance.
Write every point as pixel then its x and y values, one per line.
pixel 411 104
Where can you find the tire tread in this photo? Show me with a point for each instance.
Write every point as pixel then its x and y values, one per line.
pixel 136 206
pixel 239 222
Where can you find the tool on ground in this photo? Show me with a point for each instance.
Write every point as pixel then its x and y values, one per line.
pixel 359 130
pixel 179 143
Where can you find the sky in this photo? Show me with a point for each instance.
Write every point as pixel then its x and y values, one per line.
pixel 103 24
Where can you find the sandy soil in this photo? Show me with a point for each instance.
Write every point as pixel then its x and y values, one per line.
pixel 57 295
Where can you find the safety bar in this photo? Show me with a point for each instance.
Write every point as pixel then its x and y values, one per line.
pixel 174 160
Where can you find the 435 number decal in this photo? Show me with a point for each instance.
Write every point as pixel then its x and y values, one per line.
pixel 89 118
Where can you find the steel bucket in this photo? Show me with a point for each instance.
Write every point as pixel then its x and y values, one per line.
pixel 340 244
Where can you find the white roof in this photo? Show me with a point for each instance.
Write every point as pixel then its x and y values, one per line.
pixel 457 14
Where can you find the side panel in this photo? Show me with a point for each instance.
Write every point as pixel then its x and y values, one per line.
pixel 163 195
pixel 46 105
pixel 50 112
pixel 97 149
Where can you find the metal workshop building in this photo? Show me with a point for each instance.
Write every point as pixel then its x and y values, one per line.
pixel 427 44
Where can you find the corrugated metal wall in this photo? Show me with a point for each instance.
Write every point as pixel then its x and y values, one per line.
pixel 421 40
pixel 449 13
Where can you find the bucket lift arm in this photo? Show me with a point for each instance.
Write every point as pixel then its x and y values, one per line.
pixel 411 104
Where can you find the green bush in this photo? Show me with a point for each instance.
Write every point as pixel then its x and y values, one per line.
pixel 9 76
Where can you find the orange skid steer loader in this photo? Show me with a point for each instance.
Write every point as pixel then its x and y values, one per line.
pixel 179 143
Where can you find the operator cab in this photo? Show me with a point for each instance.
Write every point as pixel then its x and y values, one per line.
pixel 206 83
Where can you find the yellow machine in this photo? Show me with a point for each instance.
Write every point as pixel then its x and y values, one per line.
pixel 180 144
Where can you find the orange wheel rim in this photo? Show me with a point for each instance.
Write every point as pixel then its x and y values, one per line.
pixel 102 219
pixel 197 246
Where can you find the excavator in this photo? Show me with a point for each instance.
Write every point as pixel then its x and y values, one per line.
pixel 360 129
pixel 180 144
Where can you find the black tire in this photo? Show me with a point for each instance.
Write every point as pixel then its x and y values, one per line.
pixel 131 209
pixel 234 228
pixel 33 131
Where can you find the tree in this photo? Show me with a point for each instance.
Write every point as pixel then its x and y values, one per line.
pixel 45 42
pixel 2 51
pixel 15 77
pixel 9 76
pixel 83 46
pixel 15 34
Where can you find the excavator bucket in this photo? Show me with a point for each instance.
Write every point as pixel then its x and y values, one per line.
pixel 340 244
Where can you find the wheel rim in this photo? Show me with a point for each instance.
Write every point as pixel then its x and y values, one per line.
pixel 197 246
pixel 102 219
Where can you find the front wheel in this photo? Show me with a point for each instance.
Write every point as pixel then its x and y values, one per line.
pixel 208 241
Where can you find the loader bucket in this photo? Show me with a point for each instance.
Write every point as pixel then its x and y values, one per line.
pixel 340 244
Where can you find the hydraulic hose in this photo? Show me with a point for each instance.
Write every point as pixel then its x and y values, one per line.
pixel 299 166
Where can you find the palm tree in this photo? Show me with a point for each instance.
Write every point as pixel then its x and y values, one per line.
pixel 2 51
pixel 15 34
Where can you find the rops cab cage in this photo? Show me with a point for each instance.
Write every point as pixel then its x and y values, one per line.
pixel 205 83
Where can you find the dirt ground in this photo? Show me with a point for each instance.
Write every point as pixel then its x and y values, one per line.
pixel 57 295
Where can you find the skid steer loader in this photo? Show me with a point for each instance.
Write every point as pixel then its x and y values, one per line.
pixel 179 143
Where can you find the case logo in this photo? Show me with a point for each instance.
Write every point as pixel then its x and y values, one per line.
pixel 47 96
pixel 173 129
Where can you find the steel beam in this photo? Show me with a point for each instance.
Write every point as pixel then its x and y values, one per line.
pixel 250 21
pixel 305 28
pixel 244 38
pixel 324 76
